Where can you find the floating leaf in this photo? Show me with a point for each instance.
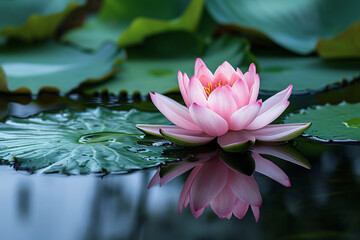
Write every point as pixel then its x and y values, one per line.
pixel 345 45
pixel 96 140
pixel 331 122
pixel 33 20
pixel 306 73
pixel 119 22
pixel 94 33
pixel 51 66
pixel 160 75
pixel 294 25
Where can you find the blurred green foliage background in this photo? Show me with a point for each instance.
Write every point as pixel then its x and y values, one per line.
pixel 139 45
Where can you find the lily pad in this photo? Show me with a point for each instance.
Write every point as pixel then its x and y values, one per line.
pixel 119 21
pixel 308 74
pixel 345 45
pixel 33 20
pixel 92 141
pixel 331 122
pixel 160 74
pixel 294 25
pixel 53 67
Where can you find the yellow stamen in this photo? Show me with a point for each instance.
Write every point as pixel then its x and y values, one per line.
pixel 210 87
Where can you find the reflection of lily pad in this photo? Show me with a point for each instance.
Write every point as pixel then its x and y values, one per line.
pixel 121 22
pixel 159 75
pixel 306 73
pixel 53 67
pixel 35 19
pixel 294 25
pixel 331 122
pixel 97 140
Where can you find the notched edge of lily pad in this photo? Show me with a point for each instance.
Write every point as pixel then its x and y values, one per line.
pixel 330 141
pixel 320 139
pixel 52 89
pixel 17 167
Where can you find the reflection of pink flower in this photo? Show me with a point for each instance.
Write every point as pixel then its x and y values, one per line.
pixel 222 105
pixel 213 183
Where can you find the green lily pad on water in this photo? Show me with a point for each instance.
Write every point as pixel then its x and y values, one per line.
pixel 93 141
pixel 35 19
pixel 51 66
pixel 128 24
pixel 294 25
pixel 307 74
pixel 331 122
pixel 146 74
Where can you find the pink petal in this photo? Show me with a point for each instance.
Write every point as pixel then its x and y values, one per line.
pixel 242 118
pixel 256 212
pixel 219 79
pixel 271 109
pixel 208 183
pixel 198 64
pixel 240 92
pixel 282 96
pixel 175 112
pixel 253 82
pixel 209 121
pixel 198 213
pixel 186 189
pixel 185 137
pixel 236 141
pixel 283 152
pixel 229 215
pixel 240 208
pixel 153 129
pixel 205 80
pixel 227 69
pixel 246 188
pixel 254 90
pixel 155 180
pixel 183 84
pixel 204 75
pixel 179 169
pixel 250 75
pixel 234 77
pixel 224 202
pixel 270 170
pixel 196 92
pixel 267 117
pixel 187 200
pixel 279 132
pixel 238 71
pixel 222 102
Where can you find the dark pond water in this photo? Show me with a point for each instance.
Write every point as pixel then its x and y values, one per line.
pixel 322 202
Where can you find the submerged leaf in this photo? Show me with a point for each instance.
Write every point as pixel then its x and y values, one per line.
pixel 52 67
pixel 35 19
pixel 294 25
pixel 331 122
pixel 96 140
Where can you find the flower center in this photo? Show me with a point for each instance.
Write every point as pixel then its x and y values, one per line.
pixel 212 87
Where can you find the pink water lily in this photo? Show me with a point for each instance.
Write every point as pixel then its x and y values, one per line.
pixel 228 192
pixel 223 105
